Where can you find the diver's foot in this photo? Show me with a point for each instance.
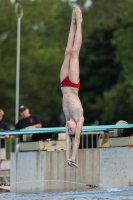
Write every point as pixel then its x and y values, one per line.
pixel 78 12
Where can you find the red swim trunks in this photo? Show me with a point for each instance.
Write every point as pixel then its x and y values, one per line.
pixel 67 83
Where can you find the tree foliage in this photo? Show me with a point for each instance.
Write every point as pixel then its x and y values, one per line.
pixel 105 60
pixel 108 57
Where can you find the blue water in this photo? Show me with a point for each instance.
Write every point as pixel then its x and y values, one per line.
pixel 93 194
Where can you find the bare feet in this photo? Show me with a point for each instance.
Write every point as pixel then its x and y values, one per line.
pixel 78 12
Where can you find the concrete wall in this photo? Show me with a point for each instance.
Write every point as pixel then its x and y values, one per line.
pixel 116 167
pixel 47 170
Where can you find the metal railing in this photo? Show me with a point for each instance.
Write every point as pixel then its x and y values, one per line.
pixel 89 141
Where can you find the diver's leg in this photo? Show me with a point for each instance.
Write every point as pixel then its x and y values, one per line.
pixel 74 59
pixel 68 145
pixel 66 64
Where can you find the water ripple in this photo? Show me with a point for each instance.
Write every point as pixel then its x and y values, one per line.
pixel 95 194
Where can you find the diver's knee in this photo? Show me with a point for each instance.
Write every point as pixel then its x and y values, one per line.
pixel 67 51
pixel 75 52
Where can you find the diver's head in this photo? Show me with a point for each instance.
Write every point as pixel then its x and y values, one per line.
pixel 71 127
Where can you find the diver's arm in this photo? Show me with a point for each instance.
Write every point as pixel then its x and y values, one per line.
pixel 77 138
pixel 68 145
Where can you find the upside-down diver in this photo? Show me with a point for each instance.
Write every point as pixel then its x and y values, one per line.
pixel 70 83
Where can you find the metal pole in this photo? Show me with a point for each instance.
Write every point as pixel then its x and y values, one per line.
pixel 19 13
pixel 17 71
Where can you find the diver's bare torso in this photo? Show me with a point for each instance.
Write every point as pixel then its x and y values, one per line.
pixel 72 107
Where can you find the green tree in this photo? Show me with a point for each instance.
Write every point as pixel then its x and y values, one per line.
pixel 43 32
pixel 105 59
pixel 98 70
pixel 107 94
pixel 121 94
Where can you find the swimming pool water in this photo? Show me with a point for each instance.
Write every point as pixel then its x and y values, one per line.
pixel 95 194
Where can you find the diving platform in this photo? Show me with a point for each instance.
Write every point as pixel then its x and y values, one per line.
pixel 85 129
